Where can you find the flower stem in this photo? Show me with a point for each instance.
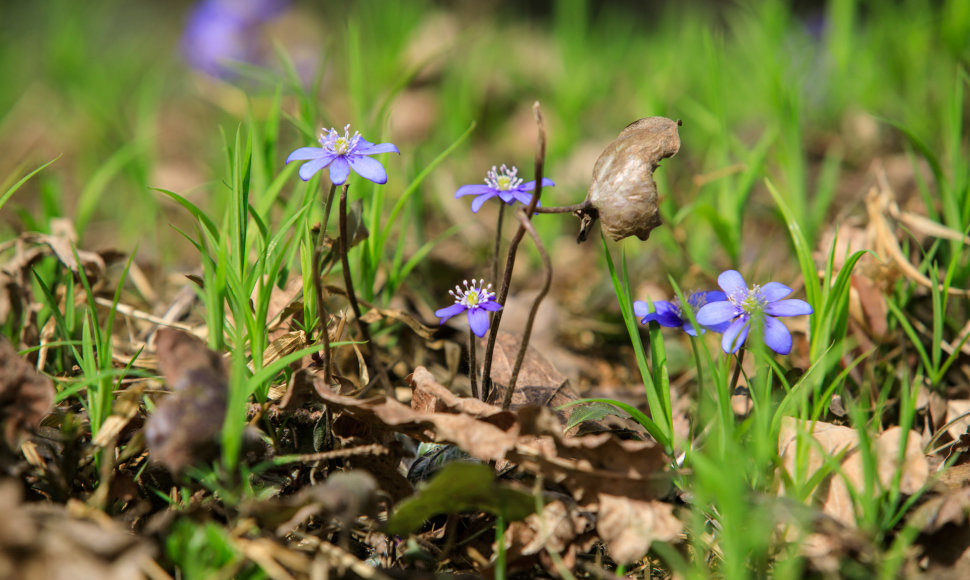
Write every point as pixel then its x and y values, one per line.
pixel 322 314
pixel 498 242
pixel 526 223
pixel 513 248
pixel 737 373
pixel 472 364
pixel 352 296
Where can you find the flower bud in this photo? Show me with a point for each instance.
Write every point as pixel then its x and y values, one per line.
pixel 623 191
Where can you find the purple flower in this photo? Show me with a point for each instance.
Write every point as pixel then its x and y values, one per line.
pixel 759 303
pixel 672 314
pixel 343 154
pixel 220 33
pixel 503 183
pixel 476 299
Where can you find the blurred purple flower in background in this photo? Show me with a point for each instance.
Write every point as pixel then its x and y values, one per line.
pixel 503 183
pixel 342 154
pixel 220 33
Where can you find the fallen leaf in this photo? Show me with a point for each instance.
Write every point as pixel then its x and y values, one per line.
pixel 185 426
pixel 629 526
pixel 56 541
pixel 531 437
pixel 26 396
pixel 622 190
pixel 957 417
pixel 835 440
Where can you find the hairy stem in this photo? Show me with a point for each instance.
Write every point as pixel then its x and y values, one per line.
pixel 513 248
pixel 352 296
pixel 526 223
pixel 322 312
pixel 472 363
pixel 737 372
pixel 498 242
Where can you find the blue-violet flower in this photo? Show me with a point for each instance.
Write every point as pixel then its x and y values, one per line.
pixel 672 314
pixel 759 303
pixel 221 34
pixel 476 299
pixel 343 154
pixel 504 183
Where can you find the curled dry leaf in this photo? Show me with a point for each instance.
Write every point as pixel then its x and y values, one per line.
pixel 185 426
pixel 344 497
pixel 531 437
pixel 630 526
pixel 54 541
pixel 26 395
pixel 957 417
pixel 560 528
pixel 539 382
pixel 828 440
pixel 623 191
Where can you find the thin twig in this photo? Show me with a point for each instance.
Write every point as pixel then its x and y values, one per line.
pixel 352 296
pixel 586 204
pixel 322 313
pixel 513 248
pixel 526 223
pixel 472 371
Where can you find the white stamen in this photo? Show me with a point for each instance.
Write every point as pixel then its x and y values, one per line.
pixel 503 179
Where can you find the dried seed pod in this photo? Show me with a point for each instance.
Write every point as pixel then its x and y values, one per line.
pixel 623 192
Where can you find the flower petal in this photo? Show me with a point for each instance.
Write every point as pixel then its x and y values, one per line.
pixel 524 198
pixel 304 153
pixel 311 167
pixel 713 296
pixel 339 170
pixel 732 282
pixel 531 185
pixel 490 306
pixel 480 200
pixel 368 148
pixel 476 189
pixel 790 307
pixel 689 328
pixel 717 327
pixel 715 313
pixel 668 314
pixel 507 196
pixel 773 291
pixel 734 335
pixel 640 308
pixel 446 313
pixel 478 320
pixel 368 168
pixel 777 336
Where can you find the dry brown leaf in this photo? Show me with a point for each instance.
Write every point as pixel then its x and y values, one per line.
pixel 833 440
pixel 539 383
pixel 957 417
pixel 344 496
pixel 623 191
pixel 630 526
pixel 531 437
pixel 560 528
pixel 26 396
pixel 51 541
pixel 185 426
